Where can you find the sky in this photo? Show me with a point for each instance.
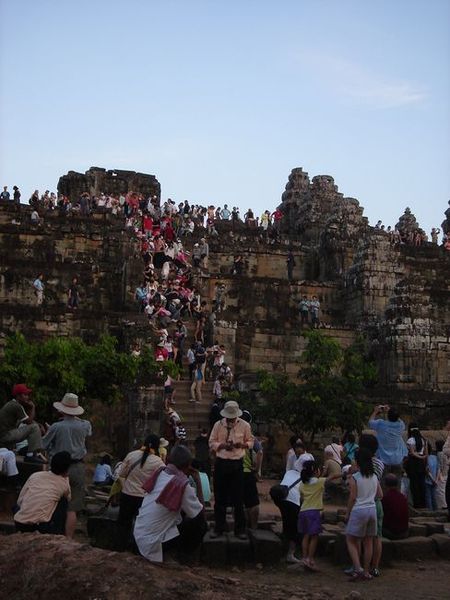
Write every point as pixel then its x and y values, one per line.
pixel 220 100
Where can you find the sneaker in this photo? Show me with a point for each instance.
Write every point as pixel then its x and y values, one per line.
pixel 349 571
pixel 375 572
pixel 293 560
pixel 192 400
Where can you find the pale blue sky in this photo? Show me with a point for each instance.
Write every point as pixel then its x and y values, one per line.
pixel 220 100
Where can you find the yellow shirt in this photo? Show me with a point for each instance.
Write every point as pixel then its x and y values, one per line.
pixel 163 453
pixel 39 497
pixel 312 494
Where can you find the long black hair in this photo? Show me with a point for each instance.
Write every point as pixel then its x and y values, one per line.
pixel 364 461
pixel 151 443
pixel 308 471
pixel 414 432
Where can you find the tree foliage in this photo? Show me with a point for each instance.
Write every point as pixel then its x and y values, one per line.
pixel 332 381
pixel 61 365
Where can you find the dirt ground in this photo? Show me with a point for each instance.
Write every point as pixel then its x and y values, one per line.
pixel 52 567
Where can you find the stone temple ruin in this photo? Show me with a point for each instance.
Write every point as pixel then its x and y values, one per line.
pixel 398 297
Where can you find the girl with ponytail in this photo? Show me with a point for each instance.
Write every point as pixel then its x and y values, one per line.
pixel 136 469
pixel 309 518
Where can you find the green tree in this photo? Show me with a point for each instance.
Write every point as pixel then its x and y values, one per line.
pixel 59 365
pixel 332 381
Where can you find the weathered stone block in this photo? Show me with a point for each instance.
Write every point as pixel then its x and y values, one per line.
pixel 239 551
pixel 102 532
pixel 442 544
pixel 267 547
pixel 214 550
pixel 414 547
pixel 417 529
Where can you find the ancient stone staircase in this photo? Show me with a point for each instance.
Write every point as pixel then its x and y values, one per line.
pixel 194 415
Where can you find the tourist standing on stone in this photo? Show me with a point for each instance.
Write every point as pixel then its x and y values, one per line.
pixel 292 454
pixel 171 516
pixel 69 435
pixel 443 474
pixel 44 498
pixel 314 309
pixel 17 423
pixel 391 447
pixel 277 217
pixel 446 451
pixel 72 300
pixel 136 468
pixel 303 309
pixel 196 386
pixel 16 195
pixel 289 509
pixel 290 262
pixel 431 479
pixel 38 286
pixel 204 252
pixel 395 510
pixel 309 519
pixel 230 438
pixel 361 514
pixel 252 462
pixel 5 195
pixel 302 456
pixel 416 465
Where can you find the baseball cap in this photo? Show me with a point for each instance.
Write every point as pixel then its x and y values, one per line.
pixel 20 388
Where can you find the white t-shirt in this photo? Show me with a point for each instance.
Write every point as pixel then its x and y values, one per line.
pixel 156 524
pixel 298 465
pixel 290 459
pixel 366 491
pixel 294 494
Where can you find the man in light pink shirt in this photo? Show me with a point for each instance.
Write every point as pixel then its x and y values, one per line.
pixel 230 438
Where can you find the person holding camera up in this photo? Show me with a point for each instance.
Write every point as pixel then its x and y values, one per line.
pixel 391 446
pixel 230 438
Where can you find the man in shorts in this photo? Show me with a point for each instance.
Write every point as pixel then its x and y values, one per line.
pixel 69 435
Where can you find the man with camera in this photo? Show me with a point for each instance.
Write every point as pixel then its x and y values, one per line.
pixel 391 446
pixel 230 438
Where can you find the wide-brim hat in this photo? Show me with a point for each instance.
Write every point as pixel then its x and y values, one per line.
pixel 69 405
pixel 231 410
pixel 163 442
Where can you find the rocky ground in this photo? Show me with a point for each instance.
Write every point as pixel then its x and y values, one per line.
pixel 51 567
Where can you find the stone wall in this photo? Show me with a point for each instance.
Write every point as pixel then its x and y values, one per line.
pixel 397 296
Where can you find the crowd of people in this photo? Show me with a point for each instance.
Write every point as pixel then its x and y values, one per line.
pixel 382 474
pixel 162 495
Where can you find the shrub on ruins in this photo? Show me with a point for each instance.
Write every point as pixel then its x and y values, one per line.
pixel 332 380
pixel 99 371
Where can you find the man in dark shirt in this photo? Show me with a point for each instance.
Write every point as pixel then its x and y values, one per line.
pixel 395 507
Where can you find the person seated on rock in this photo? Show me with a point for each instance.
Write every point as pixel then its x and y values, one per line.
pixel 8 466
pixel 21 411
pixel 44 498
pixel 332 469
pixel 396 511
pixel 171 516
pixel 103 473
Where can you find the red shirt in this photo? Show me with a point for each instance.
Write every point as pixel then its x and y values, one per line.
pixel 395 507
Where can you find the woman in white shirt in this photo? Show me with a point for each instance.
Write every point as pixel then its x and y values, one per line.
pixel 136 469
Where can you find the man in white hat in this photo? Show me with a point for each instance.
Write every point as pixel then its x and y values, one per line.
pixel 69 435
pixel 230 438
